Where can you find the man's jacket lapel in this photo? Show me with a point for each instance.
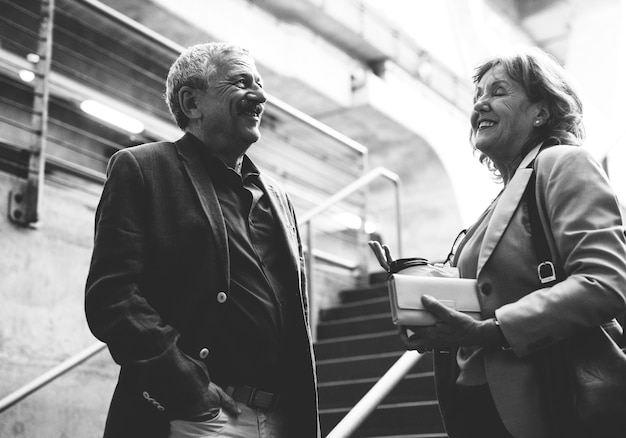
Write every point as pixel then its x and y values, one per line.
pixel 194 165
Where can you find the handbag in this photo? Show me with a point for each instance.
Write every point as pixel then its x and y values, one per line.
pixel 411 278
pixel 583 378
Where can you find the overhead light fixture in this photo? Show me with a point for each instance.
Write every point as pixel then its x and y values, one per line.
pixel 33 58
pixel 26 75
pixel 112 116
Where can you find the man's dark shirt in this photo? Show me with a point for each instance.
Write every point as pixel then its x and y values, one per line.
pixel 262 287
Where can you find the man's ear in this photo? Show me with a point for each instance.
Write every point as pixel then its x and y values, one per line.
pixel 188 102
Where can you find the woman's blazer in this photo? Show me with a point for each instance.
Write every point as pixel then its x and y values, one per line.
pixel 586 229
pixel 159 264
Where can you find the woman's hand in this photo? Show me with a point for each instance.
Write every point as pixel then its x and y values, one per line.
pixel 453 329
pixel 382 253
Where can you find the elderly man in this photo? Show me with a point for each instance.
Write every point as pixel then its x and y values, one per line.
pixel 196 281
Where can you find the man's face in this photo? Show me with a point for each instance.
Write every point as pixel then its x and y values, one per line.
pixel 233 103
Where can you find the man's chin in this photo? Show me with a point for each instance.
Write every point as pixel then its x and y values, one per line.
pixel 252 136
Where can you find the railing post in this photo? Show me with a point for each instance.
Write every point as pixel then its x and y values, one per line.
pixel 363 270
pixel 309 260
pixel 24 200
pixel 307 217
pixel 398 205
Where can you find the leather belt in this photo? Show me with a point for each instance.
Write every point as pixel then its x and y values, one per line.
pixel 253 397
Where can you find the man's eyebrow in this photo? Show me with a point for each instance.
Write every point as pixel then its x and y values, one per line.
pixel 239 73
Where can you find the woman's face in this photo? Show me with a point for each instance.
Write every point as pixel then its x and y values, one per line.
pixel 503 117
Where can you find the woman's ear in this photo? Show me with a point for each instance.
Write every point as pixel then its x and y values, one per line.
pixel 188 102
pixel 543 114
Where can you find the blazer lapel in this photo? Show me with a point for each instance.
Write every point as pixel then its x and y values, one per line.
pixel 201 181
pixel 504 209
pixel 283 217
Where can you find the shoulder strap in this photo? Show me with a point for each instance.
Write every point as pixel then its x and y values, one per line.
pixel 547 271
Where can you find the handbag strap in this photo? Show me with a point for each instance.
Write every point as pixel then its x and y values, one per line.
pixel 547 271
pixel 550 273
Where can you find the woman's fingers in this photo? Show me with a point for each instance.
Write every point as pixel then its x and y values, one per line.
pixel 380 253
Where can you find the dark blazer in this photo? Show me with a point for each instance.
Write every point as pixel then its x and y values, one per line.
pixel 586 231
pixel 159 263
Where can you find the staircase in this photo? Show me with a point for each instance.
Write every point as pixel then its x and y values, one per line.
pixel 357 343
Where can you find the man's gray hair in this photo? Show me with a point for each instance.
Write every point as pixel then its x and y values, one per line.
pixel 194 67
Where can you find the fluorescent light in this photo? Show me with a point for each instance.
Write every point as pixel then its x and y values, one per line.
pixel 27 75
pixel 349 220
pixel 33 58
pixel 112 116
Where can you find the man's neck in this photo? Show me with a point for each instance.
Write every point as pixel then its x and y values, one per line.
pixel 231 154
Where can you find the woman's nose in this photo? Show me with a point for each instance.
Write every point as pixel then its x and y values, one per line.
pixel 481 105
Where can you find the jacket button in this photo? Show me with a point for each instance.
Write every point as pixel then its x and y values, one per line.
pixel 486 289
pixel 222 297
pixel 204 353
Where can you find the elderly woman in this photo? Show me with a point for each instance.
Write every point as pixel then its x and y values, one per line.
pixel 488 381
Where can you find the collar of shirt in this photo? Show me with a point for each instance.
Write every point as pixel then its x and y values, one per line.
pixel 219 169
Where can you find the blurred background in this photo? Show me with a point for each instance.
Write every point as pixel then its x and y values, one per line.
pixel 367 127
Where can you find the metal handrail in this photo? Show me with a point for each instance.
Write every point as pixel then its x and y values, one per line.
pixel 375 395
pixel 41 381
pixel 405 363
pixel 306 219
pixel 353 187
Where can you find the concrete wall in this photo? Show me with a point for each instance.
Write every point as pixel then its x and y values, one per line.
pixel 42 278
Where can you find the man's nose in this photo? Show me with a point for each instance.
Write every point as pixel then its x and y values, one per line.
pixel 257 94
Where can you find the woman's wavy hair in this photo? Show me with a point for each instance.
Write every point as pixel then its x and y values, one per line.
pixel 543 79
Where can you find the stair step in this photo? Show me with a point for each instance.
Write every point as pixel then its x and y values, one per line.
pixel 378 277
pixel 363 367
pixel 359 345
pixel 390 419
pixel 349 310
pixel 359 325
pixel 346 393
pixel 363 293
